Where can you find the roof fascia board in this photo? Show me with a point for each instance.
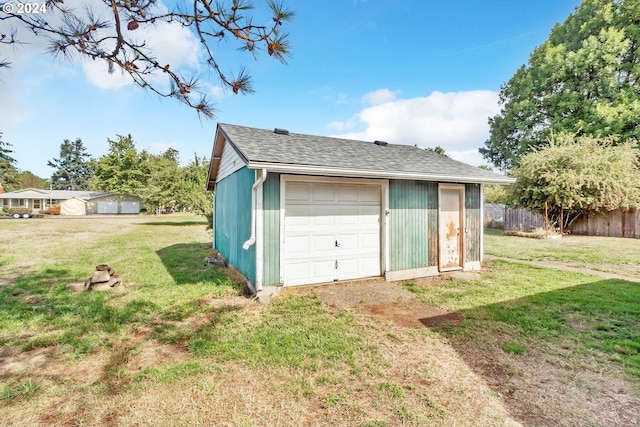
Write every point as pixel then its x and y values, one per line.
pixel 321 170
pixel 219 142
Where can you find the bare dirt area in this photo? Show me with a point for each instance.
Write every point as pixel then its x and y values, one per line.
pixel 536 389
pixel 383 300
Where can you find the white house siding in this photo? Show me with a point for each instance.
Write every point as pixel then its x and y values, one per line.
pixel 230 162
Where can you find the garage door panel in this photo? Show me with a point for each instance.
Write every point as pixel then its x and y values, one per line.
pixel 370 240
pixel 370 195
pixel 323 245
pixel 369 266
pixel 348 242
pixel 348 193
pixel 348 268
pixel 298 273
pixel 298 192
pixel 313 223
pixel 347 219
pixel 322 193
pixel 297 246
pixel 130 207
pixel 107 207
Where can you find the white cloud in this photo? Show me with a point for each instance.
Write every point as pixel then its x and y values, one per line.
pixel 470 157
pixel 456 121
pixel 169 43
pixel 380 96
pixel 97 73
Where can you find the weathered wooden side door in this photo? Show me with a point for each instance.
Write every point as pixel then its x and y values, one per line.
pixel 450 227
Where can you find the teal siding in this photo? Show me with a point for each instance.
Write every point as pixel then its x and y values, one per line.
pixel 233 221
pixel 408 224
pixel 472 205
pixel 271 233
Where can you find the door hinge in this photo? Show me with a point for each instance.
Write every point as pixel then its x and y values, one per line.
pixel 336 264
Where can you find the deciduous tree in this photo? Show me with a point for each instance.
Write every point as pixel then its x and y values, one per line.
pixel 163 181
pixel 583 80
pixel 437 150
pixel 576 175
pixel 122 169
pixel 114 31
pixel 194 195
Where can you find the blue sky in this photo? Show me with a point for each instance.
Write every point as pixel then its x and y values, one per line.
pixel 425 72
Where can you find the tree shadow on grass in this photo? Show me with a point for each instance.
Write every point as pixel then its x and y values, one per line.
pixel 186 263
pixel 48 314
pixel 547 354
pixel 170 223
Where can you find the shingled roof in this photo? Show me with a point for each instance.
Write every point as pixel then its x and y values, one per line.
pixel 320 155
pixel 36 193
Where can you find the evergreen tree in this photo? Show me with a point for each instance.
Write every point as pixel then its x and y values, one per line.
pixel 73 168
pixel 27 179
pixel 8 170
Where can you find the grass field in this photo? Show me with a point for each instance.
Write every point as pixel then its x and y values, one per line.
pixel 609 254
pixel 179 346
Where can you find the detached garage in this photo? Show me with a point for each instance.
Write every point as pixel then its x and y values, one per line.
pixel 293 209
pixel 115 204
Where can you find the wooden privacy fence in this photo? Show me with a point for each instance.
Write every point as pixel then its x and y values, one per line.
pixel 612 224
pixel 522 219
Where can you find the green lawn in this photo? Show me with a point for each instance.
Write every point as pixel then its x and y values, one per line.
pixel 605 254
pixel 37 311
pixel 178 338
pixel 172 304
pixel 515 306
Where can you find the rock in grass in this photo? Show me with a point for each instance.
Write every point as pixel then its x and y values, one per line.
pixel 99 276
pixel 76 287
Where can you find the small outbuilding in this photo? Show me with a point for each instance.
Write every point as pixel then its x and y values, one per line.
pixel 293 209
pixel 73 206
pixel 95 202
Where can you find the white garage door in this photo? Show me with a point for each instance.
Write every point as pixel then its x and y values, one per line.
pixel 107 207
pixel 132 207
pixel 332 232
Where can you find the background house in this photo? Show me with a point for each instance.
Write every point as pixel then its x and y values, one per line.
pixel 96 202
pixel 293 209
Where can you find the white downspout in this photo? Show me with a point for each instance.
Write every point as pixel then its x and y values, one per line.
pixel 254 197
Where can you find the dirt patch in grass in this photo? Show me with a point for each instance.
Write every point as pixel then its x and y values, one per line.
pixel 383 300
pixel 413 314
pixel 537 389
pixel 540 391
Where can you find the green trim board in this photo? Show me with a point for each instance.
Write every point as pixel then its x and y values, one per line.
pixel 473 223
pixel 408 224
pixel 271 230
